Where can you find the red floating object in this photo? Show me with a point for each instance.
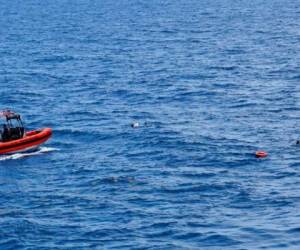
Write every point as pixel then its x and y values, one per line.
pixel 261 154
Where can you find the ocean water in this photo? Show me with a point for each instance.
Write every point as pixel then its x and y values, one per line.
pixel 210 82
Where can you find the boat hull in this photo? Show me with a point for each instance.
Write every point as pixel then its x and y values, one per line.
pixel 31 140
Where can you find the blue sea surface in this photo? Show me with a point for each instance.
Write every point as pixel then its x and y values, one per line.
pixel 209 82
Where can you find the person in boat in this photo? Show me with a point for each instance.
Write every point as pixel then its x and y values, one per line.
pixel 9 134
pixel 13 129
pixel 6 135
pixel 16 133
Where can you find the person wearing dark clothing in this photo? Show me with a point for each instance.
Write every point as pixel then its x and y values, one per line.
pixel 5 133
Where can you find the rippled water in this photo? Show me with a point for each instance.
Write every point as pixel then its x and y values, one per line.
pixel 210 82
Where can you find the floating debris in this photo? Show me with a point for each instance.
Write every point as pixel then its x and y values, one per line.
pixel 261 154
pixel 135 125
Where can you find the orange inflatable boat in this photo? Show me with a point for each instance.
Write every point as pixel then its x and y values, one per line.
pixel 14 138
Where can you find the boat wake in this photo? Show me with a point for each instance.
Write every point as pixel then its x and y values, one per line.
pixel 39 151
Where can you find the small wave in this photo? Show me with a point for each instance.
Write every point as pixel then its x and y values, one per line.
pixel 55 59
pixel 225 68
pixel 39 151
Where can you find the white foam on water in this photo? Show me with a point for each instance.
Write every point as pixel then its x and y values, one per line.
pixel 39 151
